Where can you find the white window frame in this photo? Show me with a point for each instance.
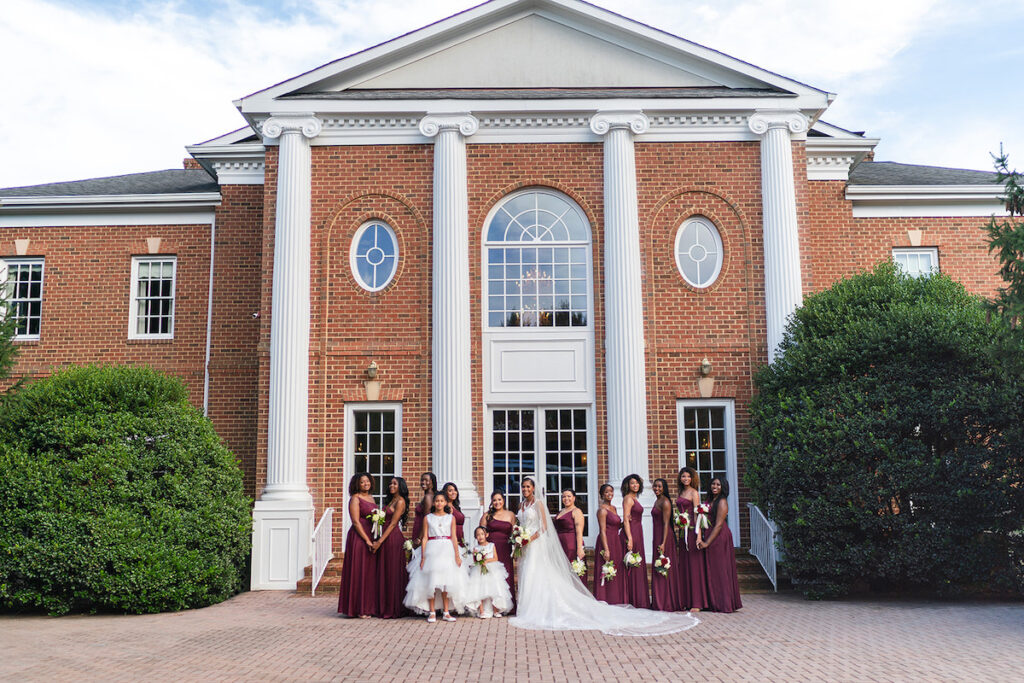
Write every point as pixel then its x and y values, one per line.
pixel 932 252
pixel 349 446
pixel 541 455
pixel 716 233
pixel 729 422
pixel 7 295
pixel 353 264
pixel 133 308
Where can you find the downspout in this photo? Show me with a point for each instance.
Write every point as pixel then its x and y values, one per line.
pixel 209 321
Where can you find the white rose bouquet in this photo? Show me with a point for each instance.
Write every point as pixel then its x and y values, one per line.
pixel 480 561
pixel 579 567
pixel 377 517
pixel 407 547
pixel 662 565
pixel 681 522
pixel 520 539
pixel 703 510
pixel 608 572
pixel 632 560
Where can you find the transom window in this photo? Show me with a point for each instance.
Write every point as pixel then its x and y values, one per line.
pixel 699 251
pixel 374 256
pixel 376 447
pixel 538 262
pixel 23 290
pixel 917 262
pixel 152 300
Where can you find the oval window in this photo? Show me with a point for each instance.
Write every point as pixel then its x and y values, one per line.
pixel 374 256
pixel 699 251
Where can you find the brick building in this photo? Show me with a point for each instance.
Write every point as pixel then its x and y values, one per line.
pixel 533 238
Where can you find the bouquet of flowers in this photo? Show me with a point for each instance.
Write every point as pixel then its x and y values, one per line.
pixel 682 523
pixel 579 567
pixel 480 561
pixel 377 517
pixel 520 537
pixel 407 547
pixel 607 572
pixel 703 510
pixel 632 560
pixel 662 565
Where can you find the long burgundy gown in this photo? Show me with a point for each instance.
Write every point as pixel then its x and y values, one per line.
pixel 460 521
pixel 392 574
pixel 613 592
pixel 723 584
pixel 566 528
pixel 693 593
pixel 637 593
pixel 664 589
pixel 498 533
pixel 359 570
pixel 419 512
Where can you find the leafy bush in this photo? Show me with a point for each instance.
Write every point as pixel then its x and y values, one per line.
pixel 886 438
pixel 116 494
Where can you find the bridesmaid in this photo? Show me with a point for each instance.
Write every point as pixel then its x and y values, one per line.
pixel 392 575
pixel 693 593
pixel 569 525
pixel 664 589
pixel 428 485
pixel 359 570
pixel 609 549
pixel 637 593
pixel 451 492
pixel 719 556
pixel 499 520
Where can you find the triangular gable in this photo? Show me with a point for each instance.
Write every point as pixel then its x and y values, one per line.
pixel 531 44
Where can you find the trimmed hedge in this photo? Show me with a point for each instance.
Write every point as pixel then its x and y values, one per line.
pixel 886 439
pixel 116 494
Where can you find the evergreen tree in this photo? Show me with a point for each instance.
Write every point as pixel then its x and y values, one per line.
pixel 1006 238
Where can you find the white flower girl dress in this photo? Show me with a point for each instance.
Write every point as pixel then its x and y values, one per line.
pixel 440 573
pixel 491 588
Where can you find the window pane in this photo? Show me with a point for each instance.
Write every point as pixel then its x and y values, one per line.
pixel 375 447
pixel 698 251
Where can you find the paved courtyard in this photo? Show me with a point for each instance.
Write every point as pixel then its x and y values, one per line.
pixel 275 636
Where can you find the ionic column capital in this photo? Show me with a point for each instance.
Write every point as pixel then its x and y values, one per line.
pixel 604 121
pixel 465 123
pixel 307 124
pixel 761 122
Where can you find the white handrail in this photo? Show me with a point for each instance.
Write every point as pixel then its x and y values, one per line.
pixel 763 543
pixel 322 536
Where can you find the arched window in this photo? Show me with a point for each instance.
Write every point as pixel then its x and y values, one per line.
pixel 374 255
pixel 699 251
pixel 538 262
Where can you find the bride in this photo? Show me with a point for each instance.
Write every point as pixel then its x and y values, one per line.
pixel 552 597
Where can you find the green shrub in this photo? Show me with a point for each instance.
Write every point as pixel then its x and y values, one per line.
pixel 886 438
pixel 116 494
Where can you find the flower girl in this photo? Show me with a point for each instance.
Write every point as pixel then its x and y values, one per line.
pixel 440 566
pixel 488 590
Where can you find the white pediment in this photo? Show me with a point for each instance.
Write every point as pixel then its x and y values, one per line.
pixel 535 52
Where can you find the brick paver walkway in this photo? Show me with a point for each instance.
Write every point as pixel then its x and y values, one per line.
pixel 276 636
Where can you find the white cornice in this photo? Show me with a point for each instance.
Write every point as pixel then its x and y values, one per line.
pixel 832 159
pixel 232 164
pixel 883 201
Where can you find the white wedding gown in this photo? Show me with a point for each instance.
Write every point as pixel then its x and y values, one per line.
pixel 552 597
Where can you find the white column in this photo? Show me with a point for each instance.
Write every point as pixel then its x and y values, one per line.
pixel 451 386
pixel 782 282
pixel 625 364
pixel 283 516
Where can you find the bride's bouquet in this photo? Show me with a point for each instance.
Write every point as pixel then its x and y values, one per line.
pixel 520 537
pixel 662 565
pixel 407 547
pixel 607 572
pixel 480 561
pixel 377 517
pixel 682 523
pixel 702 510
pixel 632 560
pixel 579 567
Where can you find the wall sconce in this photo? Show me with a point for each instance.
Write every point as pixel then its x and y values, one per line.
pixel 705 367
pixel 706 384
pixel 372 384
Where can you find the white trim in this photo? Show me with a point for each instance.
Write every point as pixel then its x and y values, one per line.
pixel 832 159
pixel 133 313
pixel 52 217
pixel 702 220
pixel 730 452
pixel 933 252
pixel 880 201
pixel 175 200
pixel 349 455
pixel 352 255
pixel 41 260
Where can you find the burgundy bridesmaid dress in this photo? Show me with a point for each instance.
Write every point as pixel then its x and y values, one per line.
pixel 723 584
pixel 460 521
pixel 637 593
pixel 693 593
pixel 613 592
pixel 566 528
pixel 499 533
pixel 664 589
pixel 359 569
pixel 419 513
pixel 391 572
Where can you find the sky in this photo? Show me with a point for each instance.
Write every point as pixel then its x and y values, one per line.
pixel 91 88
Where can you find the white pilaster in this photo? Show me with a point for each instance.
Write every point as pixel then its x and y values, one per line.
pixel 283 516
pixel 451 388
pixel 625 364
pixel 782 282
